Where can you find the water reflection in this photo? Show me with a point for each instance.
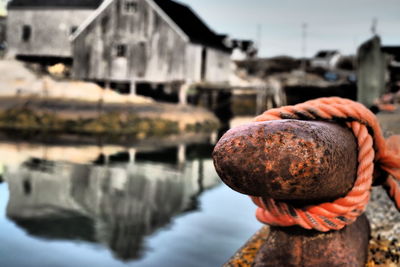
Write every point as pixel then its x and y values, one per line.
pixel 123 197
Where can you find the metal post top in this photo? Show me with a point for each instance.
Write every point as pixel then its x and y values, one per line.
pixel 308 161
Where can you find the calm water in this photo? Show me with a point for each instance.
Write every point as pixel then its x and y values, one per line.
pixel 142 205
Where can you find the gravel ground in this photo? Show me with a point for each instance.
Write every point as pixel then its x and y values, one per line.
pixel 382 213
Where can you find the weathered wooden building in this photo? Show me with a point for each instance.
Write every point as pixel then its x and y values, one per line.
pixel 243 49
pixel 41 29
pixel 326 59
pixel 148 41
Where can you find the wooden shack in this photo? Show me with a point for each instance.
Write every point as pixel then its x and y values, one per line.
pixel 148 42
pixel 41 29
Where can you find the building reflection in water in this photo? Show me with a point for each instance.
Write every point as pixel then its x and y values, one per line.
pixel 117 201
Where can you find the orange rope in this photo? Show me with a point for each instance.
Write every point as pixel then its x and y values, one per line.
pixel 373 149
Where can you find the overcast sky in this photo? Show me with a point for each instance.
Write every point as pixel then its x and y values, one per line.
pixel 332 24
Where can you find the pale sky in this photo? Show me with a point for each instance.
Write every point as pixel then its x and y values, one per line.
pixel 332 24
pixel 2 7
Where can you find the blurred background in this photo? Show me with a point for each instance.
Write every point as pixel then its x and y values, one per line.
pixel 110 109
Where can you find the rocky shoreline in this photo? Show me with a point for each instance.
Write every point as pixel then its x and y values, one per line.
pixel 60 116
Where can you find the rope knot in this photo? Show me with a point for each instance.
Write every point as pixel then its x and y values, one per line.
pixel 373 150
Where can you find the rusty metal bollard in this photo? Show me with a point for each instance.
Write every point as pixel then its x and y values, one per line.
pixel 303 163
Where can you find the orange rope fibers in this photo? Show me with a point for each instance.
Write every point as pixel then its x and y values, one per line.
pixel 372 149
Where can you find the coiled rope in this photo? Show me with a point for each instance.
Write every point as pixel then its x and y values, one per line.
pixel 373 150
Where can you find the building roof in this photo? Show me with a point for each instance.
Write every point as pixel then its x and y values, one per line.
pixel 182 18
pixel 191 24
pixel 326 53
pixel 90 4
pixel 243 44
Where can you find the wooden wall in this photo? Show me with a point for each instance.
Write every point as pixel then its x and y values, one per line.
pixel 50 31
pixel 218 66
pixel 155 50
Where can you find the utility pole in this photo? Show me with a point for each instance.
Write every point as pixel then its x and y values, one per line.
pixel 374 26
pixel 304 27
pixel 259 37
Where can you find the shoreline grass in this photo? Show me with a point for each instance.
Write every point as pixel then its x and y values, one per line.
pixel 27 119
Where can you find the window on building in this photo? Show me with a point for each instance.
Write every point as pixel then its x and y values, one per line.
pixel 73 29
pixel 26 33
pixel 130 6
pixel 142 56
pixel 121 50
pixel 104 24
pixel 27 187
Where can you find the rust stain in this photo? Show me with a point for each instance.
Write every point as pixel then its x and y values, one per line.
pixel 288 160
pixel 246 255
pixel 271 247
pixel 300 162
